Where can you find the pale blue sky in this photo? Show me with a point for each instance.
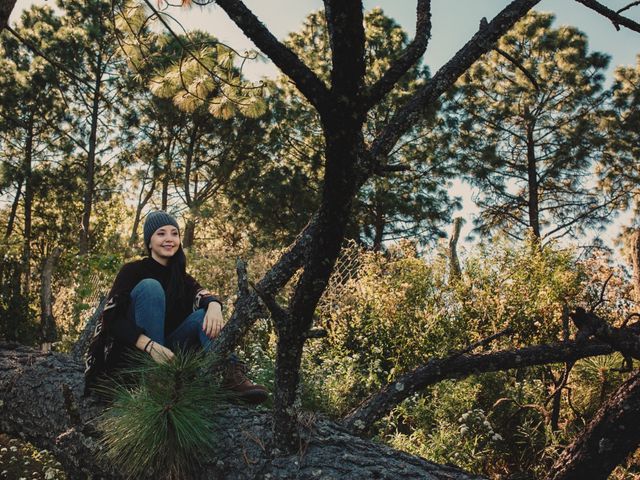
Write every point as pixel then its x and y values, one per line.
pixel 454 22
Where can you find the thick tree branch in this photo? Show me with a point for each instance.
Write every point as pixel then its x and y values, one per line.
pixel 406 60
pixel 6 7
pixel 612 15
pixel 61 420
pixel 608 439
pixel 482 42
pixel 624 340
pixel 345 25
pixel 288 62
pixel 248 308
pixel 460 366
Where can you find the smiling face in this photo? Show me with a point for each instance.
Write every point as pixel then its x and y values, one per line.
pixel 164 243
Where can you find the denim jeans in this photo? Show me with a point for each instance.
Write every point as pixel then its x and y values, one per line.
pixel 148 310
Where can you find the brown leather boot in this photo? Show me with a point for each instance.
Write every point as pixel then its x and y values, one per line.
pixel 234 379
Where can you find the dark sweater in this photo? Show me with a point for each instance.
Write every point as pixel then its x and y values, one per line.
pixel 117 332
pixel 122 327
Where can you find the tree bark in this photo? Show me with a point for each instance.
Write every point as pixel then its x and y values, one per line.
pixel 460 366
pixel 14 209
pixel 635 262
pixel 28 205
pixel 6 7
pixel 90 169
pixel 608 439
pixel 48 332
pixel 63 422
pixel 189 233
pixel 532 177
pixel 454 263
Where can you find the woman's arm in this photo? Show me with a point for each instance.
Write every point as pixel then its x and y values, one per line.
pixel 159 353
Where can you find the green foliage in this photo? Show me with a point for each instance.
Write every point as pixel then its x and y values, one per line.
pixel 391 313
pixel 165 426
pixel 414 203
pixel 619 164
pixel 17 315
pixel 528 140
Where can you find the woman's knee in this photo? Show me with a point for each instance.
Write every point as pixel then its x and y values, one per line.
pixel 196 318
pixel 148 288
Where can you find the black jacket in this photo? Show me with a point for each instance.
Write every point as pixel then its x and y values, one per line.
pixel 116 332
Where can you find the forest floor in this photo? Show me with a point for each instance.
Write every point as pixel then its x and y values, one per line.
pixel 22 461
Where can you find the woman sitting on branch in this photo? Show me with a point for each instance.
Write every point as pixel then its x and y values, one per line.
pixel 158 308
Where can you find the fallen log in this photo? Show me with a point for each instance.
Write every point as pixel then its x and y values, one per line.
pixel 41 401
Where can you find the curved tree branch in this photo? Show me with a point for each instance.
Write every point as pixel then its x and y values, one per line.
pixel 482 42
pixel 406 60
pixel 460 366
pixel 612 15
pixel 307 82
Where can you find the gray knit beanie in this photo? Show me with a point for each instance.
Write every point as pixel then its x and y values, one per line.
pixel 154 221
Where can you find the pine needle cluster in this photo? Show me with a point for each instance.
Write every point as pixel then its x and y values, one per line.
pixel 165 425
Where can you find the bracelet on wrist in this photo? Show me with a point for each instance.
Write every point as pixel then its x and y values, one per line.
pixel 146 347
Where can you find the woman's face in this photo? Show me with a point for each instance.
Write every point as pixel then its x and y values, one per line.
pixel 164 243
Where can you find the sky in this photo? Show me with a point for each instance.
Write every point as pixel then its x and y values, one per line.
pixel 453 23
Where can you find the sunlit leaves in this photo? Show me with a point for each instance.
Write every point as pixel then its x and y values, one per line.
pixel 195 71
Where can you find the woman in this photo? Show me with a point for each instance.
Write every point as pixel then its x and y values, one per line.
pixel 156 307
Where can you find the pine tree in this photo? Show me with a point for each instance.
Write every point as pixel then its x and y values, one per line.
pixel 528 116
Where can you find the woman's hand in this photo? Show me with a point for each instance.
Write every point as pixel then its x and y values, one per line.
pixel 213 321
pixel 159 353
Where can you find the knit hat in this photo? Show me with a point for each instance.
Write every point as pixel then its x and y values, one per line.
pixel 154 221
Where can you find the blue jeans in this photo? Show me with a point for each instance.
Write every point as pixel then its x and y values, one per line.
pixel 148 310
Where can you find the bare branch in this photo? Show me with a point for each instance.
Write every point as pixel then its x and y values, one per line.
pixel 615 17
pixel 602 291
pixel 632 4
pixel 519 66
pixel 460 366
pixel 307 82
pixel 406 60
pixel 243 281
pixel 482 42
pixel 385 170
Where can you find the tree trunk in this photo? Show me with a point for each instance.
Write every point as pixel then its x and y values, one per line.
pixel 635 262
pixel 6 7
pixel 454 263
pixel 166 176
pixel 90 171
pixel 28 207
pixel 532 175
pixel 608 439
pixel 48 332
pixel 142 202
pixel 61 420
pixel 188 235
pixel 378 226
pixel 14 209
pixel 340 186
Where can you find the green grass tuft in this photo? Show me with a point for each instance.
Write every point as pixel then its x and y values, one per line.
pixel 165 425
